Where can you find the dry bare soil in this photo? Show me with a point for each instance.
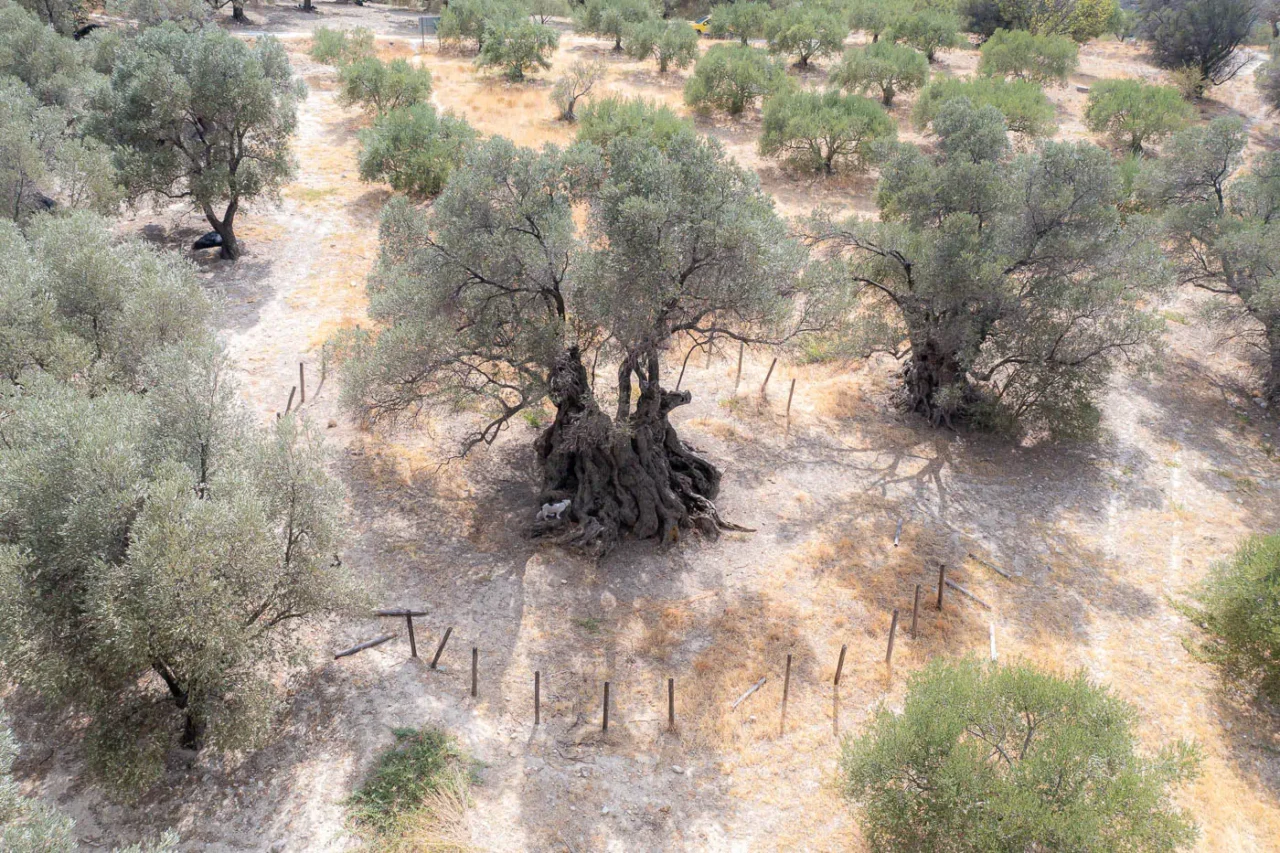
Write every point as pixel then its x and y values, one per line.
pixel 1099 539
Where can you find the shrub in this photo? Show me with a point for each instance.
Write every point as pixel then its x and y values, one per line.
pixel 1022 103
pixel 576 84
pixel 1267 78
pixel 612 18
pixel 743 20
pixel 383 86
pixel 731 78
pixel 338 47
pixel 606 119
pixel 1133 113
pixel 414 149
pixel 928 30
pixel 423 778
pixel 517 45
pixel 887 67
pixel 1238 604
pixel 806 31
pixel 824 131
pixel 969 133
pixel 1204 34
pixel 1007 757
pixel 1191 84
pixel 1046 60
pixel 1081 20
pixel 670 42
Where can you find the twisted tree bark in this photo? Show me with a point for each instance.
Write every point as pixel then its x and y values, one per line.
pixel 630 476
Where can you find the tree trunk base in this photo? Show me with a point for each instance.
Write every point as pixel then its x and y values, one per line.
pixel 632 479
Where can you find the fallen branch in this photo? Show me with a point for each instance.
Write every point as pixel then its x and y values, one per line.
pixel 995 569
pixel 370 644
pixel 753 689
pixel 966 593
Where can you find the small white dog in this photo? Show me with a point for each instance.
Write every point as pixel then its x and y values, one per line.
pixel 553 511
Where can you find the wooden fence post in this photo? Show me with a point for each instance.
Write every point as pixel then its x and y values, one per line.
pixel 537 697
pixel 289 405
pixel 767 376
pixel 413 642
pixel 605 726
pixel 440 648
pixel 942 582
pixel 361 647
pixel 302 384
pixel 915 614
pixel 893 629
pixel 475 660
pixel 790 394
pixel 671 704
pixel 738 379
pixel 840 664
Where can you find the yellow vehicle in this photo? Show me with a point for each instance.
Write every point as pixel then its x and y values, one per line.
pixel 702 25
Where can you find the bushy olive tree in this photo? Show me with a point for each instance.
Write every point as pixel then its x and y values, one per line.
pixel 414 149
pixel 1023 104
pixel 497 299
pixel 156 546
pixel 732 78
pixel 468 20
pixel 606 119
pixel 1203 34
pixel 824 132
pixel 1012 286
pixel 1238 604
pixel 1224 227
pixel 383 86
pixel 883 66
pixel 928 31
pixel 46 62
pixel 545 10
pixel 612 18
pixel 672 43
pixel 1046 60
pixel 806 31
pixel 1081 20
pixel 204 117
pixel 1010 758
pixel 743 20
pixel 876 17
pixel 1135 114
pixel 517 45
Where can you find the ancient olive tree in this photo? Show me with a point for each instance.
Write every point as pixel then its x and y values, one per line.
pixel 1203 34
pixel 383 86
pixel 824 131
pixel 156 546
pixel 497 300
pixel 876 17
pixel 517 45
pixel 928 31
pixel 743 20
pixel 1238 605
pixel 1010 758
pixel 1046 60
pixel 672 43
pixel 612 18
pixel 1135 114
pixel 576 83
pixel 414 149
pixel 806 31
pixel 1023 104
pixel 884 66
pixel 1010 287
pixel 732 78
pixel 1224 225
pixel 204 117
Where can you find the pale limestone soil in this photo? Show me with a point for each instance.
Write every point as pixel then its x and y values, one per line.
pixel 1099 537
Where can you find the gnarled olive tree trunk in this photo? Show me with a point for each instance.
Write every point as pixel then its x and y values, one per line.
pixel 626 476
